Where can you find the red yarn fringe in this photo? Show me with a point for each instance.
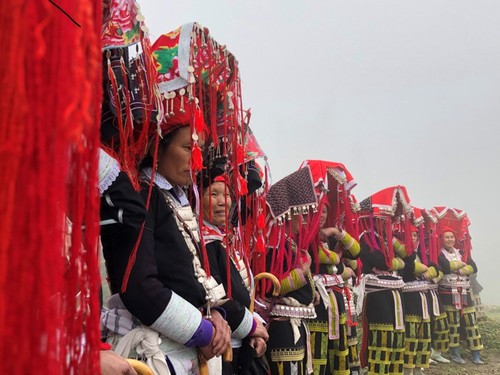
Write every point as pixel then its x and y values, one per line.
pixel 49 138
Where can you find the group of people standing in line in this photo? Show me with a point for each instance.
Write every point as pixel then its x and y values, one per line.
pixel 213 270
pixel 412 308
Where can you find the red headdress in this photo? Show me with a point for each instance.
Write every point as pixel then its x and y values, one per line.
pixel 377 215
pixel 198 80
pixel 430 227
pixel 333 183
pixel 200 83
pixel 292 195
pixel 418 225
pixel 455 220
pixel 131 99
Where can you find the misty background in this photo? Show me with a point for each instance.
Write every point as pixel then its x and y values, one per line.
pixel 401 92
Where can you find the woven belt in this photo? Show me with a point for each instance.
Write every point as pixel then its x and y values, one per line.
pixel 372 281
pixel 452 284
pixel 301 312
pixel 416 286
pixel 329 280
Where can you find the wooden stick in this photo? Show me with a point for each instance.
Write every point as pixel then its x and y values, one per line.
pixel 276 286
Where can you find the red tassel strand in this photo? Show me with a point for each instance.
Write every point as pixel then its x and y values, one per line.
pixel 49 139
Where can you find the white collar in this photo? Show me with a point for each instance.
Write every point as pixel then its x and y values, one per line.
pixel 163 183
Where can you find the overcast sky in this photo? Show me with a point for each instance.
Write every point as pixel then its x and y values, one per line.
pixel 401 92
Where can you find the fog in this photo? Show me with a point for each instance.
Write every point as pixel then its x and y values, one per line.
pixel 401 92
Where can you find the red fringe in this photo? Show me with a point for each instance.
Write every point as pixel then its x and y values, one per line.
pixel 49 138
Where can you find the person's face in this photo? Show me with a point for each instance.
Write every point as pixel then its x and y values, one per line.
pixel 216 202
pixel 173 160
pixel 448 240
pixel 414 238
pixel 324 216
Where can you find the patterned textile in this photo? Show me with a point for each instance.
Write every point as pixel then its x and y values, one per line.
pixel 132 85
pixel 109 170
pixel 385 350
pixel 295 191
pixel 463 322
pixel 200 85
pixel 417 342
pixel 211 233
pixel 353 356
pixel 284 356
pixel 440 333
pixel 122 23
pixel 131 101
pixel 417 329
pixel 387 201
pixel 333 182
pixel 338 350
pixel 386 344
pixel 322 171
pixel 167 56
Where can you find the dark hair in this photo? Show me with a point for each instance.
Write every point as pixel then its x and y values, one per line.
pixel 162 144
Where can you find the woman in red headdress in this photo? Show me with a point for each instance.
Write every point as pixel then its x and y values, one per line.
pixel 250 336
pixel 163 291
pixel 383 257
pixel 329 330
pixel 454 290
pixel 417 276
pixel 289 201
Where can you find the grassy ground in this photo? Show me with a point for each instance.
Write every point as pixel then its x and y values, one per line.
pixel 490 331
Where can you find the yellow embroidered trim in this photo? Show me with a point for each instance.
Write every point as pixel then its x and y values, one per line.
pixel 287 355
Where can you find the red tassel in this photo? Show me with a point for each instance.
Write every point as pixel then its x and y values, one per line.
pixel 261 246
pixel 240 155
pixel 261 221
pixel 196 159
pixel 49 147
pixel 199 122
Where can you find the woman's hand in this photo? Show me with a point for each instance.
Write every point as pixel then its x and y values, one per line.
pixel 317 298
pixel 259 345
pixel 306 262
pixel 221 339
pixel 113 364
pixel 328 232
pixel 260 331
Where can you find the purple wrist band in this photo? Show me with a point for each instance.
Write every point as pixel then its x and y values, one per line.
pixel 254 327
pixel 220 310
pixel 202 336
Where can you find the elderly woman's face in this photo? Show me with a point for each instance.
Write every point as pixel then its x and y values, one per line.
pixel 216 202
pixel 174 159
